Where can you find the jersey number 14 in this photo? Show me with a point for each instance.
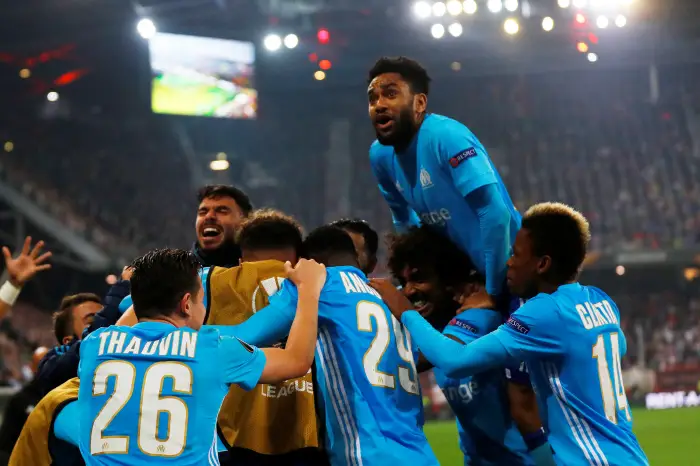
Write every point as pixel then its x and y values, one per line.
pixel 611 386
pixel 408 376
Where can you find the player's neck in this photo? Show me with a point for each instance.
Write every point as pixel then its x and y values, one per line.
pixel 403 145
pixel 550 288
pixel 165 320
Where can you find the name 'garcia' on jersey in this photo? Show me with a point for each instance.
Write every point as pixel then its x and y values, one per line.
pixel 177 343
pixel 596 315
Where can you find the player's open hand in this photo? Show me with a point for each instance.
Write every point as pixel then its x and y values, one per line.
pixel 395 300
pixel 308 274
pixel 478 299
pixel 30 261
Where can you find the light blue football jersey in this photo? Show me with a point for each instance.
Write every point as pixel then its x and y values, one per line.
pixel 151 393
pixel 572 343
pixel 487 434
pixel 428 183
pixel 368 387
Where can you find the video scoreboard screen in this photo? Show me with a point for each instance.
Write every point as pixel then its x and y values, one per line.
pixel 202 76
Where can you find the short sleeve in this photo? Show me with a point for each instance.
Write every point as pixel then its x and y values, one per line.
pixel 472 324
pixel 517 373
pixel 239 363
pixel 286 297
pixel 464 157
pixel 64 425
pixel 125 304
pixel 533 330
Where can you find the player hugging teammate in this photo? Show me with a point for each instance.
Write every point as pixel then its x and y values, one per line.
pixel 186 375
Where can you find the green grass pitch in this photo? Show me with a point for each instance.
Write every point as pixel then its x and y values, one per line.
pixel 668 437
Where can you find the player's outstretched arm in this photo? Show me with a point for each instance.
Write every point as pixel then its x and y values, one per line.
pixel 296 358
pixel 20 270
pixel 402 215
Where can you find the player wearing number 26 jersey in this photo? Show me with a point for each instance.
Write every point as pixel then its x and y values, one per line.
pixel 568 335
pixel 367 381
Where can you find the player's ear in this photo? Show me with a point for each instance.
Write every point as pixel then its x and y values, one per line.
pixel 420 103
pixel 186 304
pixel 544 264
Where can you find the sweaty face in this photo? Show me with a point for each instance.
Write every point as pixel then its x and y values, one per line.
pixel 426 292
pixel 83 315
pixel 217 221
pixel 523 267
pixel 392 109
pixel 195 309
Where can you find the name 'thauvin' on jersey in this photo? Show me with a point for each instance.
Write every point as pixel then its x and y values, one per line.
pixel 177 343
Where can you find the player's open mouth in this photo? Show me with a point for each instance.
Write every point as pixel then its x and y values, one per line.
pixel 383 122
pixel 211 232
pixel 423 307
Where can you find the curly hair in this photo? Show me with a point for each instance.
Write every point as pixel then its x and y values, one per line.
pixel 269 229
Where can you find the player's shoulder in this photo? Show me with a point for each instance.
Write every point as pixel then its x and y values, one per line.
pixel 440 126
pixel 378 152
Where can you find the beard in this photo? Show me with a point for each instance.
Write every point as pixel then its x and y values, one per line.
pixel 402 134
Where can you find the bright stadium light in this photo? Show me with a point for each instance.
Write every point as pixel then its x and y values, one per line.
pixel 454 7
pixel 219 165
pixel 620 21
pixel 511 5
pixel 319 75
pixel 580 18
pixel 580 3
pixel 494 6
pixel 455 29
pixel 564 3
pixel 469 7
pixel 511 26
pixel 422 10
pixel 438 30
pixel 439 9
pixel 52 96
pixel 547 24
pixel 272 42
pixel 602 21
pixel 146 28
pixel 592 57
pixel 291 41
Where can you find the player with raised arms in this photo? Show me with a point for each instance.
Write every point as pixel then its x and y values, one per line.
pixel 568 334
pixel 152 392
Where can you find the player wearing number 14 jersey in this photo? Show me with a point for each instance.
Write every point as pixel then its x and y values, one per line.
pixel 151 393
pixel 568 334
pixel 367 381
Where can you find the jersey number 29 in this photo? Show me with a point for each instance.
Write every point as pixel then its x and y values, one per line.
pixel 151 407
pixel 408 377
pixel 614 397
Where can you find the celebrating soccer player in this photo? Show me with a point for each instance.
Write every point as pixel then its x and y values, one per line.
pixel 153 391
pixel 568 334
pixel 433 170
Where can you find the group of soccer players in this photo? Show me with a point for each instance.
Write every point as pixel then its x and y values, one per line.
pixel 528 359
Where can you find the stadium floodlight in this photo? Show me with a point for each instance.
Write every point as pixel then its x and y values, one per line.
pixel 456 66
pixel 454 7
pixel 291 41
pixel 511 26
pixel 319 75
pixel 511 5
pixel 592 57
pixel 219 165
pixel 272 42
pixel 564 3
pixel 580 3
pixel 469 7
pixel 494 6
pixel 582 47
pixel 52 96
pixel 547 23
pixel 24 73
pixel 439 9
pixel 580 18
pixel 437 31
pixel 455 29
pixel 620 21
pixel 146 28
pixel 602 21
pixel 422 10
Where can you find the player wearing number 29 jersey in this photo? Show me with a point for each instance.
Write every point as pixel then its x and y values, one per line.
pixel 367 381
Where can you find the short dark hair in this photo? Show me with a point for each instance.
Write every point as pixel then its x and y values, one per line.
pixel 560 232
pixel 267 229
pixel 160 280
pixel 410 70
pixel 63 317
pixel 422 248
pixel 222 190
pixel 363 228
pixel 326 243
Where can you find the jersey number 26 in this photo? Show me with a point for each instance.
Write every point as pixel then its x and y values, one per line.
pixel 151 406
pixel 408 377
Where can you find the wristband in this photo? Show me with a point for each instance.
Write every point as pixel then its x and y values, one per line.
pixel 9 293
